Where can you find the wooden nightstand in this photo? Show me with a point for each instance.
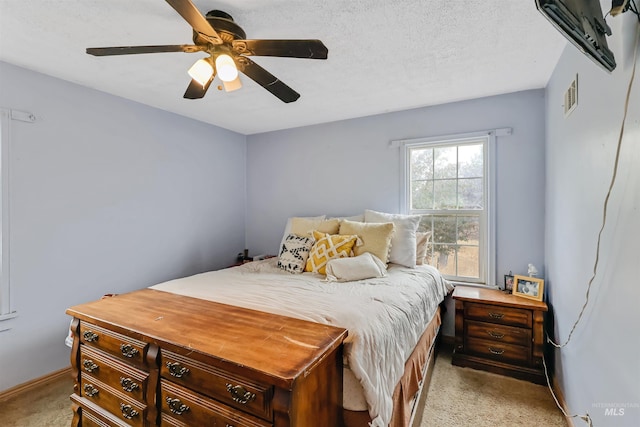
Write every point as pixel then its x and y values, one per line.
pixel 500 333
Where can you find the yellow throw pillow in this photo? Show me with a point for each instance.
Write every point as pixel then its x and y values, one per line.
pixel 303 227
pixel 376 237
pixel 328 247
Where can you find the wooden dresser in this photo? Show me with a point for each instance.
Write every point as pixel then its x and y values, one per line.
pixel 499 332
pixel 151 358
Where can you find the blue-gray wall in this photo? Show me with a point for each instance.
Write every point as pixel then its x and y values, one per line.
pixel 600 367
pixel 345 167
pixel 106 196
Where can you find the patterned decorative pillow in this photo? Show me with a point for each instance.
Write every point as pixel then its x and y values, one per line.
pixel 294 253
pixel 328 247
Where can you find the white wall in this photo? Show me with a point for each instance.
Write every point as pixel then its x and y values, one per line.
pixel 344 167
pixel 107 196
pixel 599 367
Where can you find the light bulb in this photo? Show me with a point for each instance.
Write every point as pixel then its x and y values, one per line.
pixel 201 71
pixel 226 68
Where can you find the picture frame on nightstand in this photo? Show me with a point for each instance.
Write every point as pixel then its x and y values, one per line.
pixel 528 287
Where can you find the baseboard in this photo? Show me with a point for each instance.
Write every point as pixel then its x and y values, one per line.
pixel 33 384
pixel 557 390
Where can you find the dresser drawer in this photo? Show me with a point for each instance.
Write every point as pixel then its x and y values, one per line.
pixel 503 352
pixel 90 419
pixel 128 380
pixel 498 314
pixel 182 407
pixel 499 333
pixel 123 347
pixel 122 407
pixel 244 394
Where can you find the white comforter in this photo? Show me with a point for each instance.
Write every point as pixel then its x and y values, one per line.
pixel 384 316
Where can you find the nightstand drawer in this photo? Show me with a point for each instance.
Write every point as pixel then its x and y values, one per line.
pixel 499 351
pixel 124 348
pixel 244 394
pixel 499 333
pixel 180 406
pixel 110 371
pixel 498 314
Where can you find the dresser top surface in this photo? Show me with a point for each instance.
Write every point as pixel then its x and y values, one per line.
pixel 496 297
pixel 278 346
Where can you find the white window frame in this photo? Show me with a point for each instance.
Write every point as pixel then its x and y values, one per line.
pixel 488 218
pixel 7 116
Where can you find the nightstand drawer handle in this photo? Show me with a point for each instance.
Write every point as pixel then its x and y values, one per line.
pixel 497 335
pixel 177 370
pixel 128 384
pixel 128 412
pixel 496 315
pixel 128 350
pixel 89 366
pixel 494 351
pixel 240 394
pixel 90 336
pixel 90 390
pixel 176 406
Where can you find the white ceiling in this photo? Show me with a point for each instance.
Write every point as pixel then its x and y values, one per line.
pixel 384 55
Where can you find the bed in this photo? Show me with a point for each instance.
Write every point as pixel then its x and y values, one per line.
pixel 367 279
pixel 392 322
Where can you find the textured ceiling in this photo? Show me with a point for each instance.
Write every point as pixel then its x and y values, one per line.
pixel 384 55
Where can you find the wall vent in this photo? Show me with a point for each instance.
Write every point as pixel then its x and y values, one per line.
pixel 571 97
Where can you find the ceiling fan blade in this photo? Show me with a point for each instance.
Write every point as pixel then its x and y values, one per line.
pixel 195 90
pixel 130 50
pixel 198 22
pixel 267 80
pixel 311 49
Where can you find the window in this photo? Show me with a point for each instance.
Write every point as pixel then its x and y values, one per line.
pixel 7 116
pixel 5 300
pixel 448 182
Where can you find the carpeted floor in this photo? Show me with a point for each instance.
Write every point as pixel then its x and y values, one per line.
pixel 458 397
pixel 464 397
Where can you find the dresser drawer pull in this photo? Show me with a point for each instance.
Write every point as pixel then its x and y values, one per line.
pixel 128 384
pixel 496 315
pixel 90 390
pixel 128 412
pixel 497 335
pixel 176 406
pixel 494 351
pixel 90 336
pixel 89 366
pixel 177 370
pixel 128 350
pixel 240 394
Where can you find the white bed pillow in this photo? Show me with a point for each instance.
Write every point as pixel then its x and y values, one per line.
pixel 287 228
pixel 365 266
pixel 403 242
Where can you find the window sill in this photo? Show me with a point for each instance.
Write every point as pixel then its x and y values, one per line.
pixel 8 316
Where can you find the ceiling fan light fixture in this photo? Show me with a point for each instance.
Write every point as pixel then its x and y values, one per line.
pixel 201 71
pixel 226 68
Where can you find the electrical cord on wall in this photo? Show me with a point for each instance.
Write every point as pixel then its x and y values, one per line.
pixel 586 418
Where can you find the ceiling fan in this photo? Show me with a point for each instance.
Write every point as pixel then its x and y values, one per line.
pixel 219 36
